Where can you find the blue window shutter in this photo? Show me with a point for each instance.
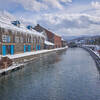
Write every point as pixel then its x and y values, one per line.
pixel 3 50
pixel 39 47
pixel 29 47
pixel 36 47
pixel 12 49
pixel 24 48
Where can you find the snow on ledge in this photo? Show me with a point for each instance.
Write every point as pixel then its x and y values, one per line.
pixel 48 43
pixel 96 53
pixel 10 68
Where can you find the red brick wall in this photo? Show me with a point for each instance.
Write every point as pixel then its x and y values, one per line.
pixel 57 41
pixel 50 36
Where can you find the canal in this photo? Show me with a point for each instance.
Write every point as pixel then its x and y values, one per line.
pixel 71 75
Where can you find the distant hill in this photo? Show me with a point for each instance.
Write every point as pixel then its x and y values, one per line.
pixel 72 38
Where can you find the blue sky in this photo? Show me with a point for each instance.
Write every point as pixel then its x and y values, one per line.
pixel 65 17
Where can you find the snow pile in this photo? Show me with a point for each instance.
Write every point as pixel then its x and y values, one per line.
pixel 48 43
pixel 11 68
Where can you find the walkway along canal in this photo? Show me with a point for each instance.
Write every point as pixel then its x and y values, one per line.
pixel 70 75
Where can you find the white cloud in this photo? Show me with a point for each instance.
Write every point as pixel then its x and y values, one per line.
pixel 66 1
pixel 35 5
pixel 54 3
pixel 64 22
pixel 31 4
pixel 95 5
pixel 71 24
pixel 68 24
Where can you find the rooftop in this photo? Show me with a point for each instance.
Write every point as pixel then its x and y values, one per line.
pixel 5 22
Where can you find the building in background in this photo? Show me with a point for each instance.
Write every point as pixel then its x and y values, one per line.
pixel 50 36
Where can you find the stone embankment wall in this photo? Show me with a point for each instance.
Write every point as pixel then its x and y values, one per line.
pixel 9 65
pixel 95 57
pixel 5 62
pixel 26 59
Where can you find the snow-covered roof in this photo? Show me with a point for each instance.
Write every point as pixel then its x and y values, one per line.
pixel 48 43
pixel 5 22
pixel 19 29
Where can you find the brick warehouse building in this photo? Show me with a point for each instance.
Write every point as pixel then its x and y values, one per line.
pixel 56 39
pixel 16 39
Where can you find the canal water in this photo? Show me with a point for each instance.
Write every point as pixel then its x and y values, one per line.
pixel 71 75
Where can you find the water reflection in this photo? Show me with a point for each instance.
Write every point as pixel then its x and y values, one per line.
pixel 70 75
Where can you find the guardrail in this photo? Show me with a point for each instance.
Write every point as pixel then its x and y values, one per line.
pixel 95 57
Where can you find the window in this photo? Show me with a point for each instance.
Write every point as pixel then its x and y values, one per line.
pixel 28 40
pixel 6 38
pixel 21 39
pixel 17 39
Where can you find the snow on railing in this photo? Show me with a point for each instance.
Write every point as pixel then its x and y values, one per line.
pixel 93 48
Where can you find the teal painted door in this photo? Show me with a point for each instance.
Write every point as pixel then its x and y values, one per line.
pixel 39 47
pixel 12 49
pixel 29 47
pixel 24 48
pixel 33 47
pixel 36 47
pixel 3 50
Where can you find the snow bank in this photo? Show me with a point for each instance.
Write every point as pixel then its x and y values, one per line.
pixel 10 68
pixel 48 43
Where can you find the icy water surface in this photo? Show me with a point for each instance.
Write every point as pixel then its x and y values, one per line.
pixel 71 75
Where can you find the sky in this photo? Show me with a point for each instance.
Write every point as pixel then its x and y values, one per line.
pixel 64 17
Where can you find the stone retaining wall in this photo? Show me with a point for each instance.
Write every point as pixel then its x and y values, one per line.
pixel 18 63
pixel 95 57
